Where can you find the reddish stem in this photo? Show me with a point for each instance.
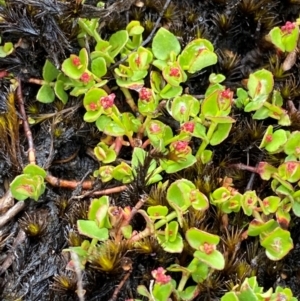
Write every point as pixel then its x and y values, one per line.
pixel 28 134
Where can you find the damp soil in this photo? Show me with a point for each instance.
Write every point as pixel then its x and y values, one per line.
pixel 33 268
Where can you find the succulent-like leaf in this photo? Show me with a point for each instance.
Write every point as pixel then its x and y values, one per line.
pixel 45 94
pixel 164 42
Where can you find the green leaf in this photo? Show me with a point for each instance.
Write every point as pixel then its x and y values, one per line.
pixel 96 205
pixel 171 166
pixel 291 147
pixel 260 83
pixel 98 67
pixel 49 71
pixel 257 227
pixel 33 170
pixel 199 270
pixel 197 55
pixel 174 246
pixel 215 259
pixel 91 230
pixel 60 92
pixel 118 41
pixel 26 185
pixel 230 296
pixel 179 193
pixel 162 292
pixel 276 38
pixel 290 40
pixel 183 107
pixel 170 92
pixel 221 133
pixel 277 244
pixel 123 173
pixel 196 238
pixel 45 94
pixel 164 42
pixel 289 171
pixel 189 293
pixel 73 71
pixel 157 211
pixel 142 290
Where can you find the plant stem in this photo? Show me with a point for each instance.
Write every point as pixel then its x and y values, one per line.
pixel 31 149
pixel 242 166
pixel 184 278
pixel 92 245
pixel 129 99
pixel 141 131
pixel 167 219
pixel 204 144
pixel 56 182
pixel 39 82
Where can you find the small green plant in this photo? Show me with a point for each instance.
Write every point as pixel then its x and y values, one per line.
pixel 250 290
pixel 30 184
pixel 262 99
pixel 285 37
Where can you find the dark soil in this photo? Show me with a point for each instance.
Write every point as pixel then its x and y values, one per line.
pixel 47 29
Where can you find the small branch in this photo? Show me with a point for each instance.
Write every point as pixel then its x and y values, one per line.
pixel 110 190
pixel 129 99
pixel 36 81
pixel 149 38
pixel 126 221
pixel 11 255
pixel 86 185
pixel 12 212
pixel 28 134
pixel 127 266
pixel 252 177
pixel 56 182
pixel 242 166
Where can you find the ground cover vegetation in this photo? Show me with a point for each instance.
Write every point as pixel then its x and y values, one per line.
pixel 150 150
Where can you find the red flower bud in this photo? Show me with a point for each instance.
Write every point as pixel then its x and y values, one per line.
pixel 138 61
pixel 160 277
pixel 75 60
pixel 93 106
pixel 85 78
pixel 188 127
pixel 288 27
pixel 180 146
pixel 154 128
pixel 174 72
pixel 107 101
pixel 145 94
pixel 227 94
pixel 208 248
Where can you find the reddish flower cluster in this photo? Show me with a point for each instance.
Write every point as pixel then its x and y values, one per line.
pixel 138 61
pixel 227 94
pixel 269 138
pixel 160 277
pixel 288 27
pixel 154 128
pixel 188 127
pixel 85 78
pixel 174 72
pixel 93 106
pixel 107 101
pixel 291 166
pixel 208 248
pixel 76 60
pixel 180 146
pixel 145 94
